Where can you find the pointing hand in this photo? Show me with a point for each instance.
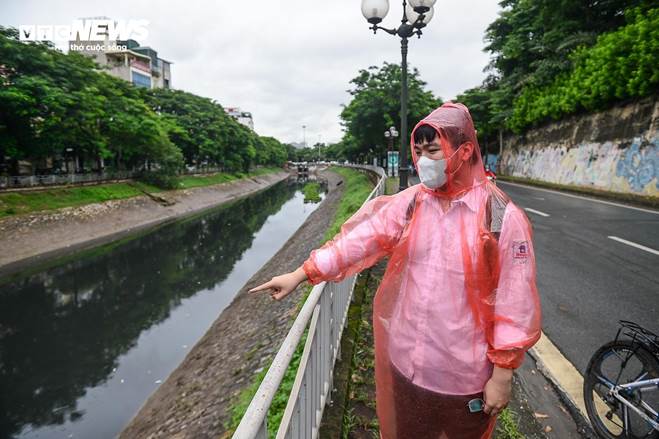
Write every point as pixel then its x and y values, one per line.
pixel 282 286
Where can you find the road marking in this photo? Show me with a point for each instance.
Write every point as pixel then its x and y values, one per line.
pixel 594 200
pixel 537 212
pixel 633 244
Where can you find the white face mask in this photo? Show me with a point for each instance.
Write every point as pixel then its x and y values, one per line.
pixel 432 172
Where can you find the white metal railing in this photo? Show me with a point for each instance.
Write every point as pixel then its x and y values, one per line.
pixel 60 179
pixel 324 313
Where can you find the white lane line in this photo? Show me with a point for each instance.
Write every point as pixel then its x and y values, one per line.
pixel 537 212
pixel 633 244
pixel 594 200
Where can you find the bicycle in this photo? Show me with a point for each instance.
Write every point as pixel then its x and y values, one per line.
pixel 621 385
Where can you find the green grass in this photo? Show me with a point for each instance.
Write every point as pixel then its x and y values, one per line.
pixel 357 188
pixel 507 425
pixel 391 185
pixel 19 203
pixel 311 192
pixel 190 181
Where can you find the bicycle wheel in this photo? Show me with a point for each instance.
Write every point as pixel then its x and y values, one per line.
pixel 620 362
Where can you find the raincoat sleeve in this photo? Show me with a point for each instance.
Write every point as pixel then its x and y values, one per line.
pixel 517 310
pixel 370 234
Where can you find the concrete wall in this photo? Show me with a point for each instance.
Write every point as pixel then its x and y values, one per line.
pixel 615 150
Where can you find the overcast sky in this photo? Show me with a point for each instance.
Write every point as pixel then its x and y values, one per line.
pixel 288 62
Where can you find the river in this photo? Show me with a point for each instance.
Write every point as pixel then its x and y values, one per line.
pixel 84 342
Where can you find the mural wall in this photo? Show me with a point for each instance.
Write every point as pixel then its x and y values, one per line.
pixel 616 150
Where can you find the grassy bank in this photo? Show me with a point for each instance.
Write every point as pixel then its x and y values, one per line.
pixel 644 200
pixel 357 188
pixel 18 203
pixel 190 181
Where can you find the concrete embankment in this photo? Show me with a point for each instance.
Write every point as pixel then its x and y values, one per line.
pixel 195 400
pixel 30 240
pixel 615 150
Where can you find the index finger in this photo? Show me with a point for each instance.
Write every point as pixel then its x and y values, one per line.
pixel 261 287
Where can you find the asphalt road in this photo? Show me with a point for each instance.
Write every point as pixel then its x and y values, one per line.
pixel 586 280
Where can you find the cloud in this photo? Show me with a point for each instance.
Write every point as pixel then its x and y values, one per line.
pixel 288 62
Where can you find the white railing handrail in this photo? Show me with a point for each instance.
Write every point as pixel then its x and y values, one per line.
pixel 254 422
pixel 258 409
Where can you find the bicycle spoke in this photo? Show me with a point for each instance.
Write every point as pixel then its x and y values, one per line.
pixel 619 403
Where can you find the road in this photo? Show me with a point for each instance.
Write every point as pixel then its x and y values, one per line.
pixel 586 279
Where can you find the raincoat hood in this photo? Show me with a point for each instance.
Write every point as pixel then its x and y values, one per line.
pixel 455 127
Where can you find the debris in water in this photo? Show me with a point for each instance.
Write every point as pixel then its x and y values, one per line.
pixel 158 381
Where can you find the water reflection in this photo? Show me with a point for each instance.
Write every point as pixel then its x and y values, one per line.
pixel 83 344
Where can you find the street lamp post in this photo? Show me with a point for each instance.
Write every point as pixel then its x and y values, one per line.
pixel 416 15
pixel 304 135
pixel 390 135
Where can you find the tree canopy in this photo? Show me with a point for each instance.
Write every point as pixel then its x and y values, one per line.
pixel 51 102
pixel 551 58
pixel 375 106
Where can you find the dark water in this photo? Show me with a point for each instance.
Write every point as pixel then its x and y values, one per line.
pixel 83 344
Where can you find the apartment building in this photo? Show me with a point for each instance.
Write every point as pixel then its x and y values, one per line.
pixel 242 117
pixel 128 60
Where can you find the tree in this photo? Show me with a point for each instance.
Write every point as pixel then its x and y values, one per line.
pixel 51 102
pixel 375 106
pixel 534 42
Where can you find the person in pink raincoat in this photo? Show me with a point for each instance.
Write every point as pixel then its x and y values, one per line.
pixel 457 307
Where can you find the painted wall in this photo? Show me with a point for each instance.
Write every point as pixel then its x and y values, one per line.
pixel 616 150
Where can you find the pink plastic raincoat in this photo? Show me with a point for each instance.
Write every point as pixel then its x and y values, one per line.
pixel 458 295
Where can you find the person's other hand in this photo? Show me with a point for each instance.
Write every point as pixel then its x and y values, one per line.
pixel 496 393
pixel 282 286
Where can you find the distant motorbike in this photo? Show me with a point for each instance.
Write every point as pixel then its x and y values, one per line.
pixel 491 175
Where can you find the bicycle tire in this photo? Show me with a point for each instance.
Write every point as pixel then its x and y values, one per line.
pixel 592 385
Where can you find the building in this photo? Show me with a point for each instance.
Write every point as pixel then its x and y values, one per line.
pixel 127 60
pixel 242 117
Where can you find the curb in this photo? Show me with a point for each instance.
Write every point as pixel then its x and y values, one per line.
pixel 631 199
pixel 549 360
